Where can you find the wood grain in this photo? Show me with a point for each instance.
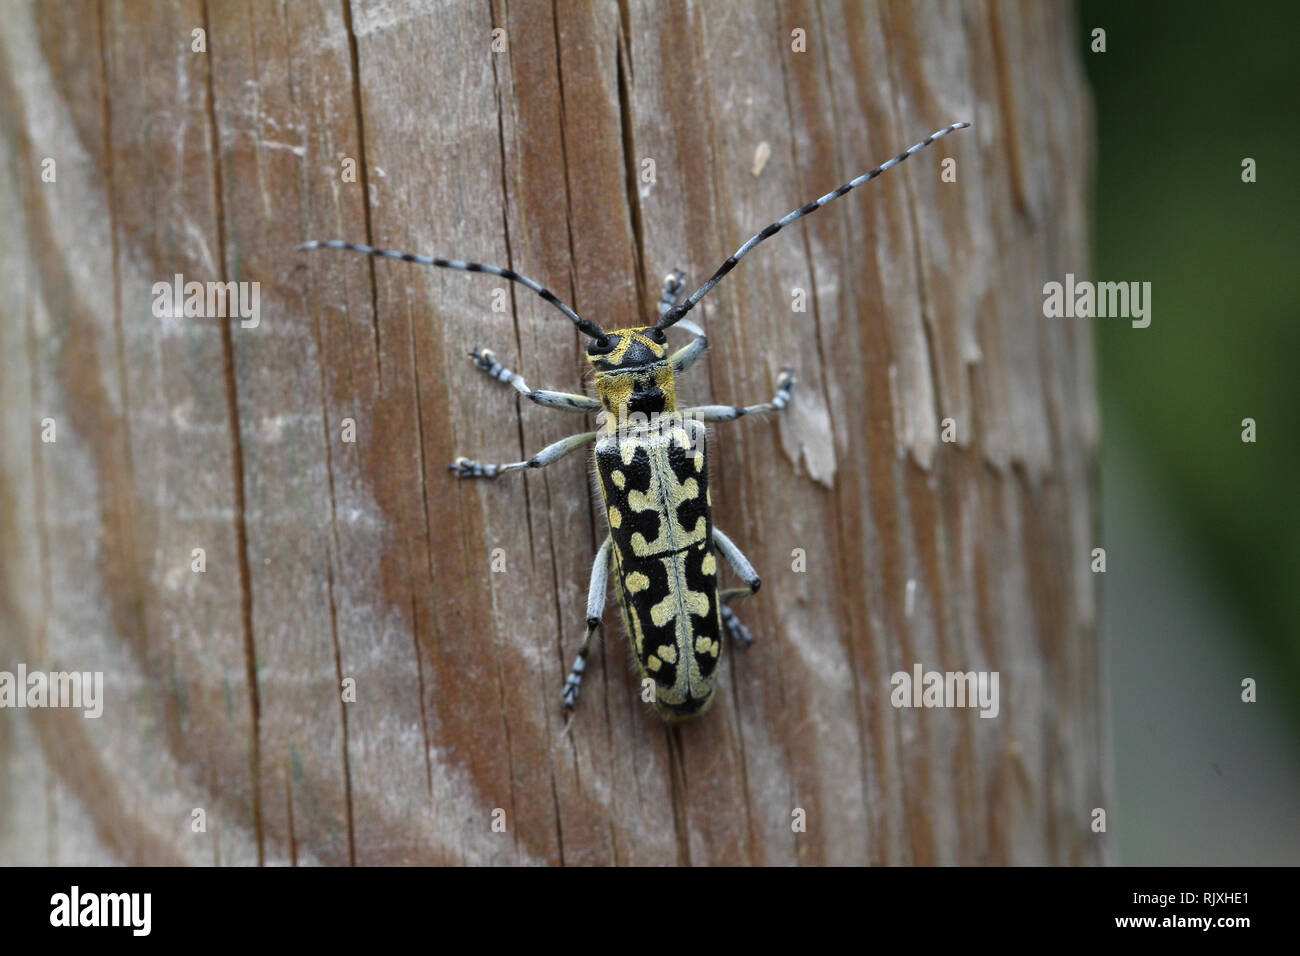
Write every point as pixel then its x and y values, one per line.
pixel 329 560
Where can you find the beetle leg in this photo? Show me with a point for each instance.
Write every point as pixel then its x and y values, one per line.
pixel 595 608
pixel 487 362
pixel 729 413
pixel 672 291
pixel 745 571
pixel 737 630
pixel 548 455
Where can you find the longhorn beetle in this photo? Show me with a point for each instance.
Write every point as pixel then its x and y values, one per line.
pixel 653 477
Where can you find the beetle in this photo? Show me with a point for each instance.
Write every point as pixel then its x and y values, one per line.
pixel 652 471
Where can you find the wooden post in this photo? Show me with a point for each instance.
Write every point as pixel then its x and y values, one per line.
pixel 348 679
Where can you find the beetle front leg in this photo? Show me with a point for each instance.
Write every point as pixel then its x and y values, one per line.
pixel 686 356
pixel 486 361
pixel 672 291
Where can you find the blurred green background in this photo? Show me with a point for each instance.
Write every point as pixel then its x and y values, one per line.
pixel 1202 531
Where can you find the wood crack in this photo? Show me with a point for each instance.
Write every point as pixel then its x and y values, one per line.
pixel 354 57
pixel 237 460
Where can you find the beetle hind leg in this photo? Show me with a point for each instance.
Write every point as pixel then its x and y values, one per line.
pixel 745 571
pixel 595 608
pixel 739 633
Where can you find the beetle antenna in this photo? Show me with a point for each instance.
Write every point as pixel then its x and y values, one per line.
pixel 674 315
pixel 585 326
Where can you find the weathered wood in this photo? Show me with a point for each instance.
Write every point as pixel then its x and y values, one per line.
pixel 327 560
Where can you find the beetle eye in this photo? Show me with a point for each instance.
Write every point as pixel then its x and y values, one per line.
pixel 659 336
pixel 600 346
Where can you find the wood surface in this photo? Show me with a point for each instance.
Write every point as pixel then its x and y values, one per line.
pixel 328 560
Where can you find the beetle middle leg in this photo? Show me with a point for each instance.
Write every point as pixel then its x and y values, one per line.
pixel 595 609
pixel 729 413
pixel 466 468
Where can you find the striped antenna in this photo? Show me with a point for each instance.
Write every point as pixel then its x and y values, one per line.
pixel 674 315
pixel 584 326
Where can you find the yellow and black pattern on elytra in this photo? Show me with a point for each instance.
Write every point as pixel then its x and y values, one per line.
pixel 655 484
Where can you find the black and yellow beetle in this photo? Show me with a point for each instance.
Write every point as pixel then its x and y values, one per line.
pixel 653 474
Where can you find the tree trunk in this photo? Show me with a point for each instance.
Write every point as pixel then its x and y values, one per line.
pixel 608 144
